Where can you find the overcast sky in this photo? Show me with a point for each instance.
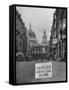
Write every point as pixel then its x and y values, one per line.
pixel 40 18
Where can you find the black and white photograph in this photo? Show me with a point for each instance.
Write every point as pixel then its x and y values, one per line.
pixel 41 44
pixel 34 40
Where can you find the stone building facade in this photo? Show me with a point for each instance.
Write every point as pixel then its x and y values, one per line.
pixel 21 37
pixel 53 38
pixel 58 39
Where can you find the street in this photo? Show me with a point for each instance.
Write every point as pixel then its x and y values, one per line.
pixel 25 72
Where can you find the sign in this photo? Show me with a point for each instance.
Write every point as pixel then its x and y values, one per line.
pixel 43 70
pixel 54 41
pixel 64 23
pixel 63 36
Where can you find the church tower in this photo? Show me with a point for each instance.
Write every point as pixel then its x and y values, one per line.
pixel 31 37
pixel 44 39
pixel 30 28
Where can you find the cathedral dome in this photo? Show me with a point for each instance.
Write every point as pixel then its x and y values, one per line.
pixel 31 33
